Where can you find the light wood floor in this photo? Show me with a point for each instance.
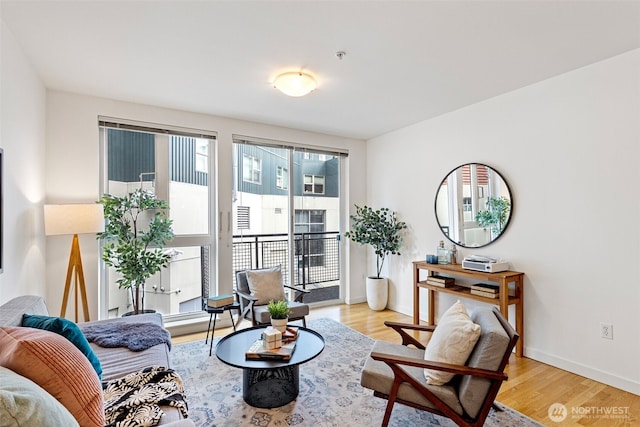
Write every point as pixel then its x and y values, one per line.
pixel 532 386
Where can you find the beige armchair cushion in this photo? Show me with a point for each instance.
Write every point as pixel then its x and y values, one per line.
pixel 266 285
pixel 452 342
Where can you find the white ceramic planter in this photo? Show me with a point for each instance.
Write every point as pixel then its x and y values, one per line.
pixel 377 293
pixel 280 324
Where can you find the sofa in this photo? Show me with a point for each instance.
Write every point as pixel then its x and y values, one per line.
pixel 50 365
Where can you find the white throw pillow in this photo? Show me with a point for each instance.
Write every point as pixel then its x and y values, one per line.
pixel 23 403
pixel 452 342
pixel 266 284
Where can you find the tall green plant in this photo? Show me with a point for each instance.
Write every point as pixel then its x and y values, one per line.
pixel 136 229
pixel 379 228
pixel 496 214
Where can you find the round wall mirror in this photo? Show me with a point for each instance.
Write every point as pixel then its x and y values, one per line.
pixel 473 205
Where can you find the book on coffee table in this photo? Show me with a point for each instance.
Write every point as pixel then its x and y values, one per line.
pixel 290 334
pixel 260 352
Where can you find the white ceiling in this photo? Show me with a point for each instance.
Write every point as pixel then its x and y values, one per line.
pixel 405 61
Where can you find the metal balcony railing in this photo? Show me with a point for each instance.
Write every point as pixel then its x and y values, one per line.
pixel 317 255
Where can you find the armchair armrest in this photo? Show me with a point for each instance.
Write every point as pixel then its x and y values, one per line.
pixel 246 296
pixel 438 366
pixel 406 338
pixel 301 292
pixel 297 289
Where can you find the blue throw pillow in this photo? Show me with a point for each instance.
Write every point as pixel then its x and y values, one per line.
pixel 67 329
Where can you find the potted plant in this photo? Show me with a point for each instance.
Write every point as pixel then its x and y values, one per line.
pixel 279 311
pixel 136 229
pixel 495 215
pixel 381 229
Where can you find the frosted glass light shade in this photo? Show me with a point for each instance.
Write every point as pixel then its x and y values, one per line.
pixel 295 83
pixel 73 219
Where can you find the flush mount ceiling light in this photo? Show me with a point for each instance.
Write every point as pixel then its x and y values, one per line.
pixel 295 83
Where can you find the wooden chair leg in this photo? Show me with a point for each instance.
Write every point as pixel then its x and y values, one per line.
pixel 391 401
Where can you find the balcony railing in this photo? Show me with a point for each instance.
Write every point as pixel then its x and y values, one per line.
pixel 317 255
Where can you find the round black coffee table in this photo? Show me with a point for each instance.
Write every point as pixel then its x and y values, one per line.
pixel 268 383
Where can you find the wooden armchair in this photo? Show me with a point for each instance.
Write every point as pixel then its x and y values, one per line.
pixel 254 308
pixel 396 372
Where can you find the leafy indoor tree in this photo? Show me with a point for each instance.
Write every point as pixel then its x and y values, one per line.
pixel 136 229
pixel 496 214
pixel 379 228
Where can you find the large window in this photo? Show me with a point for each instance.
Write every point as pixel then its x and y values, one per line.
pixel 174 164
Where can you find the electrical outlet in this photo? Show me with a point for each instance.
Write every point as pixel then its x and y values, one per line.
pixel 606 331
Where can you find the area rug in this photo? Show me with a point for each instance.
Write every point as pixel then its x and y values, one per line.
pixel 330 391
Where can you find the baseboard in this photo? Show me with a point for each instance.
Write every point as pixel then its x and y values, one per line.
pixel 195 325
pixel 357 300
pixel 583 370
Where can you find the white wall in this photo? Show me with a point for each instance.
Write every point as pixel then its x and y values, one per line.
pixel 22 136
pixel 569 149
pixel 73 174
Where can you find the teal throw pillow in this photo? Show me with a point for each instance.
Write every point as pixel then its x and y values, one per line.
pixel 67 329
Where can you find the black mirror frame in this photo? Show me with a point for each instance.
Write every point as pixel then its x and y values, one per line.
pixel 504 229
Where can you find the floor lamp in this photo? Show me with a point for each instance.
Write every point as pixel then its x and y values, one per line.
pixel 74 219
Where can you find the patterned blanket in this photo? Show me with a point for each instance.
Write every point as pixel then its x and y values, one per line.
pixel 134 400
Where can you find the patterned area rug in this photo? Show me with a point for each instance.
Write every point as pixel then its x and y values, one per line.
pixel 330 391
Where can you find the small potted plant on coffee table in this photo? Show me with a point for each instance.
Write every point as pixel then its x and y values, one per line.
pixel 279 311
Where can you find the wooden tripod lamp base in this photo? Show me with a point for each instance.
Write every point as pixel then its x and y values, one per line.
pixel 75 266
pixel 74 219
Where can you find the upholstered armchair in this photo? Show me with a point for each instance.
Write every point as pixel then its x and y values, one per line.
pixel 255 288
pixel 463 392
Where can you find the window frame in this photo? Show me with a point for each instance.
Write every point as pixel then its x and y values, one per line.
pixel 162 181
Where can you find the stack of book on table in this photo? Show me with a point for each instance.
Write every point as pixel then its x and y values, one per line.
pixel 220 301
pixel 440 281
pixel 485 290
pixel 260 350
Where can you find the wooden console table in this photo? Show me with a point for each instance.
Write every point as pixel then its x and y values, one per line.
pixel 455 270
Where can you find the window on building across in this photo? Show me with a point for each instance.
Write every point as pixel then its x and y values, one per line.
pixel 314 184
pixel 251 169
pixel 202 155
pixel 282 178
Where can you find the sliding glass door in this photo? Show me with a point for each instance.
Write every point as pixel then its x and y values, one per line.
pixel 286 212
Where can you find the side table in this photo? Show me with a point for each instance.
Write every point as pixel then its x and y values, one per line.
pixel 213 314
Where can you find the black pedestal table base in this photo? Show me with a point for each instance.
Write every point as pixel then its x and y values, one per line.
pixel 270 388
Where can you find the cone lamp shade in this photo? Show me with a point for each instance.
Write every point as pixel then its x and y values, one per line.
pixel 295 83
